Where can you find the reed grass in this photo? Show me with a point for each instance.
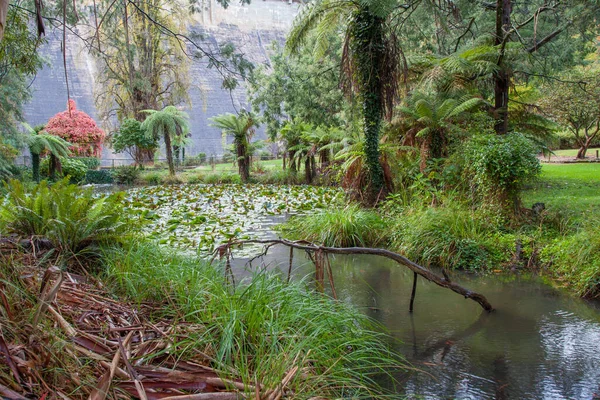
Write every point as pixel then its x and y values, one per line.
pixel 262 328
pixel 340 227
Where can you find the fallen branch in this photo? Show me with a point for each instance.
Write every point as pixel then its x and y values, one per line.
pixel 416 268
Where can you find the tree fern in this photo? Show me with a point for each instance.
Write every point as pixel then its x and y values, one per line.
pixel 241 127
pixel 168 123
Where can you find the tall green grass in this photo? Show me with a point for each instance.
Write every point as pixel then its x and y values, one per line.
pixel 575 259
pixel 262 328
pixel 340 227
pixel 452 237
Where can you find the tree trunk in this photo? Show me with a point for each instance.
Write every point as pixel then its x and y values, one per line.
pixel 369 54
pixel 3 14
pixel 308 172
pixel 54 166
pixel 581 152
pixel 35 167
pixel 177 151
pixel 324 157
pixel 502 76
pixel 169 151
pixel 243 160
pixel 292 161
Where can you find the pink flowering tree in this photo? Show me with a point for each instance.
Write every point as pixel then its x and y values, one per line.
pixel 79 129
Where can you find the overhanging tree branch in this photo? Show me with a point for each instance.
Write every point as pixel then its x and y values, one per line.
pixel 416 268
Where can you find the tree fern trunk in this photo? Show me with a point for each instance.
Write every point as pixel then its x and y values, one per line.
pixel 35 166
pixel 243 160
pixel 52 167
pixel 502 76
pixel 169 151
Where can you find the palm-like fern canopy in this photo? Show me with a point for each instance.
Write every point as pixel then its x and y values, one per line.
pixel 237 126
pixel 40 141
pixel 170 120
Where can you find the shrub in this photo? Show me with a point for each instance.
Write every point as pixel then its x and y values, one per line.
pixel 498 166
pixel 130 136
pixel 72 167
pixel 346 227
pixel 78 128
pixel 192 161
pixel 90 162
pixel 101 176
pixel 74 220
pixel 126 175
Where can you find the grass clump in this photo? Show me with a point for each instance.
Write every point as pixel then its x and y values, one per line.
pixel 261 329
pixel 127 175
pixel 280 177
pixel 152 177
pixel 451 237
pixel 341 227
pixel 220 178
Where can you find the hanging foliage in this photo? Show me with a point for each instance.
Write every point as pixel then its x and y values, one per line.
pixel 78 128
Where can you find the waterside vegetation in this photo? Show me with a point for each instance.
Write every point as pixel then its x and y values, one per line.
pixel 194 328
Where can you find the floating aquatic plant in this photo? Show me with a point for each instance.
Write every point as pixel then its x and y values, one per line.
pixel 201 217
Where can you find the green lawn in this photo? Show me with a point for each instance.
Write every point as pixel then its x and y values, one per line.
pixel 266 164
pixel 591 153
pixel 573 187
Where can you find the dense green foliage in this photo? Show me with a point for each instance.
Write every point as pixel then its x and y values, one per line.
pixel 71 167
pixel 102 176
pixel 241 128
pixel 500 166
pixel 131 138
pixel 126 175
pixel 75 221
pixel 169 123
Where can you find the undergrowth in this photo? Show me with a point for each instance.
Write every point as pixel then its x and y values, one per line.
pixel 574 259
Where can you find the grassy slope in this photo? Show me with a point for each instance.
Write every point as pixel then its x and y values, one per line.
pixel 574 188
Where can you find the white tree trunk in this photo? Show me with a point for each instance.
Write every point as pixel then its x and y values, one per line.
pixel 3 12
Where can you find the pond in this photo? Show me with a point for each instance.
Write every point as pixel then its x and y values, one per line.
pixel 539 343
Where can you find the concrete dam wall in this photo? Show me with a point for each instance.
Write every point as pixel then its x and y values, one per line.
pixel 251 28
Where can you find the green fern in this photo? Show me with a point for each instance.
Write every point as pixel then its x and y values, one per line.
pixel 75 221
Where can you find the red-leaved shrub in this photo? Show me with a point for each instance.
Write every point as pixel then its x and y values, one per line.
pixel 79 129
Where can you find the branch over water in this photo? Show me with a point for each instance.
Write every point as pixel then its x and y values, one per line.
pixel 416 268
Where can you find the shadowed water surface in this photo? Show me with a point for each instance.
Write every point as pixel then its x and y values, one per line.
pixel 538 344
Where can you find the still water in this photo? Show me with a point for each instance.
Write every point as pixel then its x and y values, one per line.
pixel 539 343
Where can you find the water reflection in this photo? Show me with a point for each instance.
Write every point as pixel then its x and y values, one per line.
pixel 538 344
